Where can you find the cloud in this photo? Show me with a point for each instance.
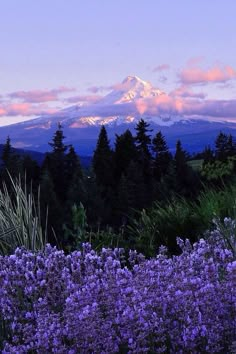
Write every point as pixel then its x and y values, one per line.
pixel 37 96
pixel 165 104
pixel 161 67
pixel 186 91
pixel 216 74
pixel 84 99
pixel 96 89
pixel 195 61
pixel 25 109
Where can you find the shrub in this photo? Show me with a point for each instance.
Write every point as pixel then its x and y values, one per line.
pixel 92 302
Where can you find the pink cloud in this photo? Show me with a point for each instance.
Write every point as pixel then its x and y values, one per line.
pixel 25 109
pixel 84 99
pixel 161 67
pixel 166 104
pixel 196 75
pixel 195 61
pixel 37 96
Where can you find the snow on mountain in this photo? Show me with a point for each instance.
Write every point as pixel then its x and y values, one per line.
pixel 132 88
pixel 120 109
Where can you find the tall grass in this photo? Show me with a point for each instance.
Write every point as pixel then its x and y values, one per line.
pixel 20 219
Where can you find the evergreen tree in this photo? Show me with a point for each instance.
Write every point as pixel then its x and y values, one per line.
pixel 222 146
pixel 143 142
pixel 180 158
pixel 72 165
pixel 123 201
pixel 187 181
pixel 55 162
pixel 231 148
pixel 162 156
pixel 125 152
pixel 102 160
pixel 75 179
pixel 32 170
pixel 208 155
pixel 57 144
pixel 7 153
pixel 11 161
pixel 138 191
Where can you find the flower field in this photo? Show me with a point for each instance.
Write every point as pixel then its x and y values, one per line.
pixel 109 302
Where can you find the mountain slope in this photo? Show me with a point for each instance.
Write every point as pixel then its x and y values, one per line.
pixel 122 108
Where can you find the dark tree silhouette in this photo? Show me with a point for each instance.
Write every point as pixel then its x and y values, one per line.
pixel 162 156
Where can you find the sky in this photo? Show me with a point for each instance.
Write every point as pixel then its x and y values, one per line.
pixel 58 52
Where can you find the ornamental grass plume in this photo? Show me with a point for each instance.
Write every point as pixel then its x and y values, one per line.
pixel 20 219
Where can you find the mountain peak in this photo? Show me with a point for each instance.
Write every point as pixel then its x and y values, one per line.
pixel 131 89
pixel 132 78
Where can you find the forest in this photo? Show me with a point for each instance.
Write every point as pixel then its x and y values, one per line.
pixel 136 195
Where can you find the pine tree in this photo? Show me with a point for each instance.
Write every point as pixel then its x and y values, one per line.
pixel 231 149
pixel 123 201
pixel 208 155
pixel 7 153
pixel 181 167
pixel 72 165
pixel 102 160
pixel 162 156
pixel 57 144
pixel 143 143
pixel 31 169
pixel 180 158
pixel 125 152
pixel 11 162
pixel 56 163
pixel 187 181
pixel 221 146
pixel 143 139
pixel 75 179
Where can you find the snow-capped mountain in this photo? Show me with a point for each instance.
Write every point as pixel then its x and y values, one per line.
pixel 120 109
pixel 132 88
pixel 120 106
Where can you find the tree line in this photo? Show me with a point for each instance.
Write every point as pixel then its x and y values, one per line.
pixel 137 171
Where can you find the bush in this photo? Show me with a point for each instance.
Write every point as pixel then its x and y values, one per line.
pixel 91 301
pixel 164 222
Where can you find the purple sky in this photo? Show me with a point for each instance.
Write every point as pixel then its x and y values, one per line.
pixel 54 50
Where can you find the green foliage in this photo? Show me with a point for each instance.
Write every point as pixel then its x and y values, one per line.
pixel 224 146
pixel 78 232
pixel 161 224
pixel 218 170
pixel 196 165
pixel 20 219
